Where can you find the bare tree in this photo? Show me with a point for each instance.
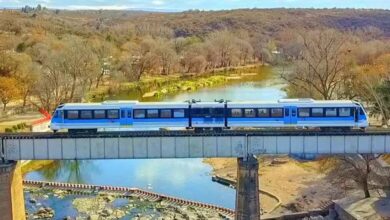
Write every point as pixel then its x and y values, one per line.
pixel 354 168
pixel 224 45
pixel 165 55
pixel 104 52
pixel 321 64
pixel 137 59
pixel 245 50
pixel 374 87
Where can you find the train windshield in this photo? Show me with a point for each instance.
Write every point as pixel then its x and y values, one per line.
pixel 58 114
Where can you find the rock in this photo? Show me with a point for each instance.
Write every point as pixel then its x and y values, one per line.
pixel 41 210
pixel 106 212
pixel 67 218
pixel 33 201
pixel 118 213
pixel 44 213
pixel 93 217
pixel 109 198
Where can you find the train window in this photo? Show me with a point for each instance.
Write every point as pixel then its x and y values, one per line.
pixel 152 113
pixel 250 113
pixel 99 114
pixel 263 112
pixel 276 112
pixel 196 112
pixel 73 114
pixel 286 112
pixel 331 112
pixel 178 113
pixel 86 114
pixel 344 112
pixel 304 112
pixel 236 112
pixel 165 113
pixel 129 113
pixel 317 112
pixel 361 111
pixel 139 113
pixel 216 112
pixel 112 114
pixel 58 114
pixel 293 112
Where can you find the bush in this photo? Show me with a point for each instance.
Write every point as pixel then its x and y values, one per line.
pixel 8 130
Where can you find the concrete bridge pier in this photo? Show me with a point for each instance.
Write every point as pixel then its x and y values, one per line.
pixel 11 191
pixel 247 190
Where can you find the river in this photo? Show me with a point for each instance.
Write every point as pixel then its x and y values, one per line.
pixel 184 178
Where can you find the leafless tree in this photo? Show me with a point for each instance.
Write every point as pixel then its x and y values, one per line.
pixel 223 44
pixel 104 52
pixel 321 64
pixel 354 168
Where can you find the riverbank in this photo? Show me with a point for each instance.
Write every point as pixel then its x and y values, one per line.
pixel 155 88
pixel 299 185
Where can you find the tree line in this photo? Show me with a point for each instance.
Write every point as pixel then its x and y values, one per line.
pixel 330 64
pixel 46 69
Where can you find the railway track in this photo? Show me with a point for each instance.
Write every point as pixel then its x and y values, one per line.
pixel 185 133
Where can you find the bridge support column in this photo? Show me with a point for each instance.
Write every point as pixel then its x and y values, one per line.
pixel 247 190
pixel 11 192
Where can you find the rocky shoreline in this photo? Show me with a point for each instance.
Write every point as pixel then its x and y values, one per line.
pixel 46 203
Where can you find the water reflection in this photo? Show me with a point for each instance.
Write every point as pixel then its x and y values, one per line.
pixel 72 171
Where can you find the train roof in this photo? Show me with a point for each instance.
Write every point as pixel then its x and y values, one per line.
pixel 99 105
pixel 238 104
pixel 313 103
pixel 142 105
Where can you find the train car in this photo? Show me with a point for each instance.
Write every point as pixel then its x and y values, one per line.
pixel 89 117
pixel 298 113
pixel 161 115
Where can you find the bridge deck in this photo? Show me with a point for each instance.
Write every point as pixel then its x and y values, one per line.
pixel 177 133
pixel 188 144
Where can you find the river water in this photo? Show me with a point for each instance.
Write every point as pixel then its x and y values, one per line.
pixel 184 178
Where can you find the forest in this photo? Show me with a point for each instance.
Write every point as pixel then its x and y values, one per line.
pixel 52 56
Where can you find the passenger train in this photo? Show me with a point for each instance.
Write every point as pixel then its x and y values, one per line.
pixel 218 115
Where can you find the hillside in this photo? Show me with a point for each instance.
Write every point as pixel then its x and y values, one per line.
pixel 266 22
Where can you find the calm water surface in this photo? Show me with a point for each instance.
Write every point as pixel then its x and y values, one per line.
pixel 185 178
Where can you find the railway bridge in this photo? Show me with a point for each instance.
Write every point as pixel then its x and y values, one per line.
pixel 240 144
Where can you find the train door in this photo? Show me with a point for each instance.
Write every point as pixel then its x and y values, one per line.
pixel 356 114
pixel 126 117
pixel 293 116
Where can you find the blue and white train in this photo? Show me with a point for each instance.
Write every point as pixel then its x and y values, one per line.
pixel 299 113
